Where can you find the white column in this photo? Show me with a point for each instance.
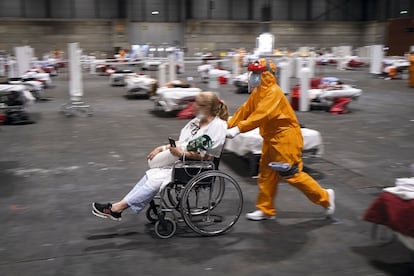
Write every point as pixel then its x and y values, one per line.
pixel 346 50
pixel 304 104
pixel 235 65
pixel 213 79
pixel 341 63
pixel 180 61
pixel 311 65
pixel 300 62
pixel 291 67
pixel 75 73
pixel 162 74
pixel 23 59
pixel 92 65
pixel 284 77
pixel 171 67
pixel 12 68
pixel 376 57
pixel 2 66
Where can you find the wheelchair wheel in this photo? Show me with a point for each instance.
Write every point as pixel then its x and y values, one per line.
pixel 173 196
pixel 211 203
pixel 151 214
pixel 165 228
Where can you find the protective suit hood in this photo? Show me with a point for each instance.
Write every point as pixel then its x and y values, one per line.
pixel 267 70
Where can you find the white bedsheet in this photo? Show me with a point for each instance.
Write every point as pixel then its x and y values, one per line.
pixel 404 188
pixel 143 82
pixel 332 94
pixel 175 98
pixel 251 142
pixel 215 73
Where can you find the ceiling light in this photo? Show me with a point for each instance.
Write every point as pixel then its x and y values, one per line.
pixel 155 12
pixel 403 12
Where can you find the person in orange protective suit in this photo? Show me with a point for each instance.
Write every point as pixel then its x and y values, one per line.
pixel 268 109
pixel 411 70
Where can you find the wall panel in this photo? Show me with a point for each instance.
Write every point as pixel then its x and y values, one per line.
pixel 155 33
pixel 318 10
pixel 10 9
pixel 201 9
pixel 240 9
pixel 174 11
pixel 45 36
pixel 280 10
pixel 108 8
pixel 400 35
pixel 61 9
pixel 36 8
pixel 84 8
pixel 299 10
pixel 220 9
pixel 354 10
pixel 156 5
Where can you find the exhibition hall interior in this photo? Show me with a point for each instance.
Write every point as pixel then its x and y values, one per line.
pixel 207 137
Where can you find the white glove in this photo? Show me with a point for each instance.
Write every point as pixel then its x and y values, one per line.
pixel 232 132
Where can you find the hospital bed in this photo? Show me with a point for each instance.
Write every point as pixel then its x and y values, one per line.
pixel 249 145
pixel 171 99
pixel 139 84
pixel 394 209
pixel 14 100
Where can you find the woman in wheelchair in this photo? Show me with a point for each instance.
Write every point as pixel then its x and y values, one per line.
pixel 211 119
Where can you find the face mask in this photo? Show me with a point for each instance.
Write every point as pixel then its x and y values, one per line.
pixel 201 115
pixel 254 80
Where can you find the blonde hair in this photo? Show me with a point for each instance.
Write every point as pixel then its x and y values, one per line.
pixel 218 107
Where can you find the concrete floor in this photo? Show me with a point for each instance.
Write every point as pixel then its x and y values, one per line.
pixel 52 170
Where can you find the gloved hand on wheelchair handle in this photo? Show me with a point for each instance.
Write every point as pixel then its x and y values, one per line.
pixel 232 132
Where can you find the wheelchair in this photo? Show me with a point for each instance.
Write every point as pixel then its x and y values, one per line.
pixel 205 199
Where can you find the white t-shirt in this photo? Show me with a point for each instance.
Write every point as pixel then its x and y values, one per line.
pixel 216 129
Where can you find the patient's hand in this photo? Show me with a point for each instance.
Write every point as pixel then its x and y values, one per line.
pixel 176 151
pixel 154 152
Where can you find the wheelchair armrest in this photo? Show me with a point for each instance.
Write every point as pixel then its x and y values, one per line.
pixel 183 171
pixel 193 164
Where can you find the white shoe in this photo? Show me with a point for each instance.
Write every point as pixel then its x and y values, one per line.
pixel 258 215
pixel 331 209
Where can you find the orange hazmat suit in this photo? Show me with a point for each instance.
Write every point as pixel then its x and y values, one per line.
pixel 411 70
pixel 268 109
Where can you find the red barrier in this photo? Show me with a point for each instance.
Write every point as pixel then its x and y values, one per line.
pixel 295 95
pixel 222 80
